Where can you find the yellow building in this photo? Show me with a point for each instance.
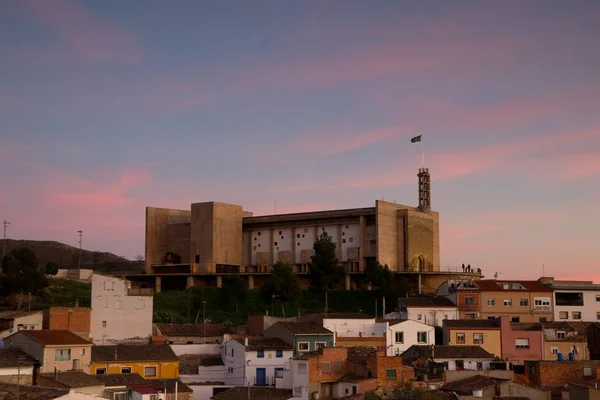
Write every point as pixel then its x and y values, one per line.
pixel 148 360
pixel 469 332
pixel 564 338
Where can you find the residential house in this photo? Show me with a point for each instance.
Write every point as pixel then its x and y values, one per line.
pixel 430 310
pixel 16 366
pixel 116 386
pixel 388 372
pixel 144 393
pixel 402 334
pixel 521 341
pixel 255 360
pixel 568 339
pixel 13 321
pixel 191 333
pixel 575 300
pixel 486 387
pixel 464 293
pixel 255 393
pixel 434 360
pixel 151 361
pixel 194 368
pixel 78 381
pixel 11 391
pixel 522 301
pixel 584 391
pixel 75 319
pixel 120 312
pixel 55 350
pixel 549 374
pixel 303 336
pixel 174 389
pixel 481 332
pixel 593 338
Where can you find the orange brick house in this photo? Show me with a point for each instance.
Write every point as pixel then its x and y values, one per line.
pixel 75 319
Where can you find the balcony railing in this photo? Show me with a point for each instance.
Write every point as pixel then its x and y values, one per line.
pixel 468 307
pixel 267 381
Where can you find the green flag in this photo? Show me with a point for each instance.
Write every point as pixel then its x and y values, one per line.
pixel 416 139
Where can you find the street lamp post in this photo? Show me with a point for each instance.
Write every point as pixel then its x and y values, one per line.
pixel 80 241
pixel 6 223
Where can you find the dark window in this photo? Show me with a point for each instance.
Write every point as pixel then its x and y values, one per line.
pixel 197 258
pixel 543 319
pixel 515 319
pixel 279 353
pixel 569 299
pixel 390 374
pixel 260 354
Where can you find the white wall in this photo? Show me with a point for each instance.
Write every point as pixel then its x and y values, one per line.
pixel 240 368
pixel 588 310
pixel 260 243
pixel 300 381
pixel 282 241
pixel 304 240
pixel 31 321
pixel 469 364
pixel 180 349
pixel 16 371
pixel 354 327
pixel 133 320
pixel 432 316
pixel 410 329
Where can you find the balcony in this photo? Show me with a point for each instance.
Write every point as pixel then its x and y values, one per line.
pixel 468 307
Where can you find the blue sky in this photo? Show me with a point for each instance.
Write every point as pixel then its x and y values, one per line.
pixel 106 107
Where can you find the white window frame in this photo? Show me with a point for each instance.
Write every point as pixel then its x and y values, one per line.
pixel 323 344
pixel 103 369
pixel 507 302
pixel 561 334
pixel 396 337
pixel 574 313
pixel 302 343
pixel 419 333
pixel 464 337
pixel 478 341
pixel 491 302
pixel 554 350
pixel 522 343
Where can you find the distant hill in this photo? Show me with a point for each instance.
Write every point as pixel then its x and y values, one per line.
pixel 67 256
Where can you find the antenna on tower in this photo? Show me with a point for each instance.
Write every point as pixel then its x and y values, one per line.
pixel 497 274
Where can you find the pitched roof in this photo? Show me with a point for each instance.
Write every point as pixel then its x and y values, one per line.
pixel 189 363
pixel 452 352
pixel 492 285
pixel 305 328
pixel 12 357
pixel 192 330
pixel 10 315
pixel 74 379
pixel 360 354
pixel 427 301
pixel 53 337
pixel 256 393
pixel 467 385
pixel 8 391
pixel 472 323
pixel 263 343
pixel 169 384
pixel 132 379
pixel 133 352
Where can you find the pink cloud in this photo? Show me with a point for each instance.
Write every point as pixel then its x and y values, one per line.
pixel 88 36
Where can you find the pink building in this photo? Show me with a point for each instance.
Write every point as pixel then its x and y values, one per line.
pixel 521 341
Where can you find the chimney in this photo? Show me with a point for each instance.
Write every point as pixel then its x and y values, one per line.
pixel 424 189
pixel 246 341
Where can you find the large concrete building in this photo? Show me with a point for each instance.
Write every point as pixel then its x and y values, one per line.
pixel 200 245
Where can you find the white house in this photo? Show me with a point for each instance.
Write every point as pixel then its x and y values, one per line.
pixel 255 360
pixel 119 312
pixel 428 310
pixel 13 321
pixel 454 358
pixel 353 325
pixel 575 300
pixel 401 334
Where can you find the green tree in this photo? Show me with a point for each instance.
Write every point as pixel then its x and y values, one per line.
pixel 233 290
pixel 51 268
pixel 325 272
pixel 281 284
pixel 22 273
pixel 385 282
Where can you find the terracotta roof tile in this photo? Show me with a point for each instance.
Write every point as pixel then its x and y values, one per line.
pixel 121 379
pixel 11 357
pixel 137 352
pixel 53 337
pixel 427 301
pixel 189 363
pixel 169 384
pixel 74 379
pixel 451 352
pixel 360 354
pixel 466 386
pixel 472 323
pixel 263 343
pixel 305 328
pixel 8 391
pixel 256 393
pixel 192 330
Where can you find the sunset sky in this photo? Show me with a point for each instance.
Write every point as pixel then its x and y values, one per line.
pixel 110 106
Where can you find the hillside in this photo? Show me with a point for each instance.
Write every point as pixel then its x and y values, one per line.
pixel 63 254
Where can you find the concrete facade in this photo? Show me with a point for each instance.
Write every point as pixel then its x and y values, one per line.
pixel 119 312
pixel 575 300
pixel 521 342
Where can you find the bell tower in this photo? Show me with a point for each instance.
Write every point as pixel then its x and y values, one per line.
pixel 424 189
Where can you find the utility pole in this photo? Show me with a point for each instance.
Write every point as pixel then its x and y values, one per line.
pixel 6 223
pixel 80 241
